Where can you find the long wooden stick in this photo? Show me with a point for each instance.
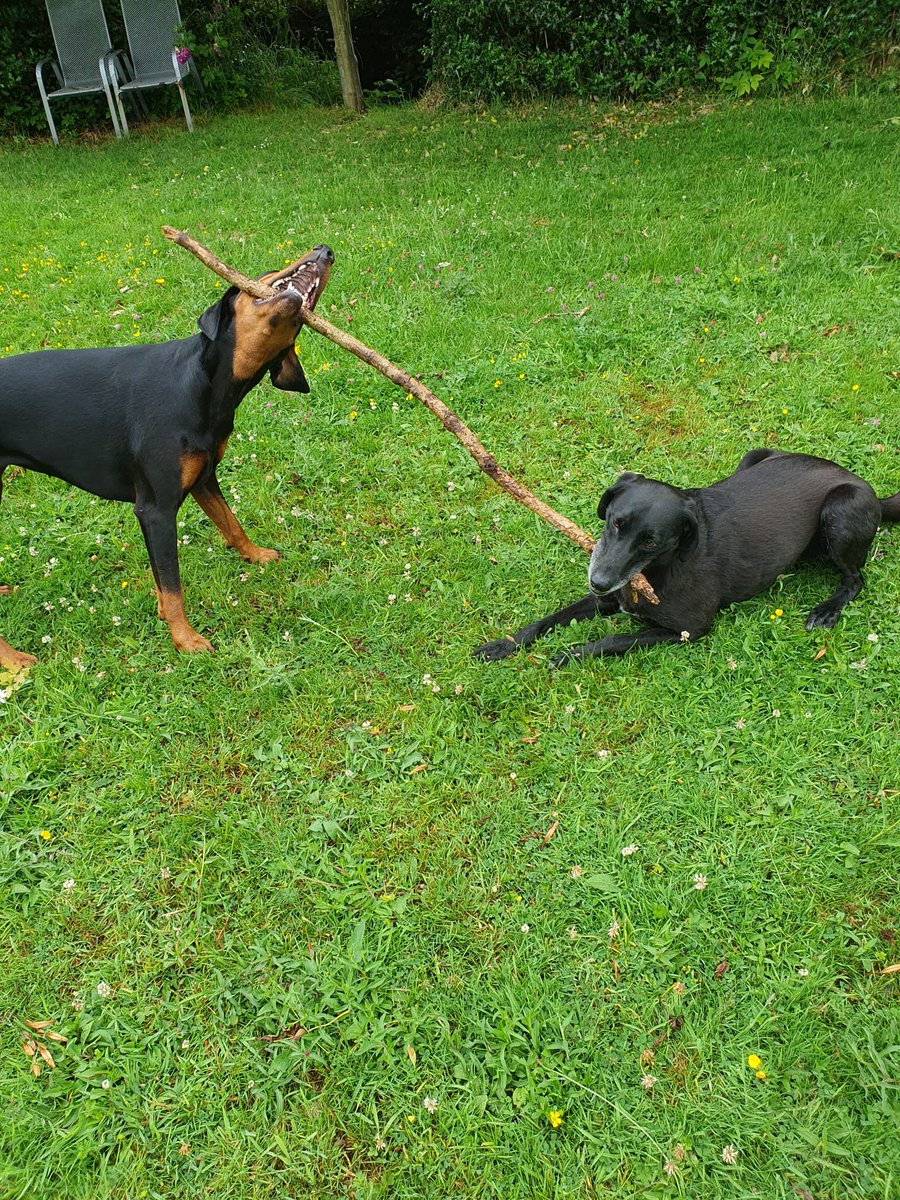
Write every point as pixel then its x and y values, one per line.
pixel 403 379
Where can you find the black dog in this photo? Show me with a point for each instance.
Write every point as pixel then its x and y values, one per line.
pixel 705 548
pixel 149 424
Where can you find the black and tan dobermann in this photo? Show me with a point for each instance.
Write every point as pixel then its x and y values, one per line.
pixel 149 424
pixel 705 548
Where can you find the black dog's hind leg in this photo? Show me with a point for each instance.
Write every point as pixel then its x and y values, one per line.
pixel 581 610
pixel 848 523
pixel 621 643
pixel 158 525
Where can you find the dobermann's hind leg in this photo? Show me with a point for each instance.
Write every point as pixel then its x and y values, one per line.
pixel 848 522
pixel 209 497
pixel 10 659
pixel 158 527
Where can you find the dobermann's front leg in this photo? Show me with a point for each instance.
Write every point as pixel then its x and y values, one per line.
pixel 158 527
pixel 11 659
pixel 209 496
pixel 581 610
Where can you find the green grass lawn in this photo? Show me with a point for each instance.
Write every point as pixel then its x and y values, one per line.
pixel 296 906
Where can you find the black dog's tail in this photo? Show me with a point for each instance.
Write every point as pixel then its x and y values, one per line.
pixel 890 507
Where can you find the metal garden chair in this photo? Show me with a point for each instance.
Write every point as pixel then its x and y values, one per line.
pixel 150 28
pixel 83 56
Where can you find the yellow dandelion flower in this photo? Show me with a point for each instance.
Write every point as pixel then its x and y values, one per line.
pixel 855 387
pixel 754 1062
pixel 760 1074
pixel 555 1117
pixel 46 835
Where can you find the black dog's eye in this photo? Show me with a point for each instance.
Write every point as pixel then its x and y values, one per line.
pixel 616 523
pixel 648 543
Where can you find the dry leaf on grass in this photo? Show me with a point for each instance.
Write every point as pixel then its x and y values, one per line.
pixel 549 834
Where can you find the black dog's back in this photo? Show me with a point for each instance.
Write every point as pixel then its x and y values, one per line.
pixel 768 515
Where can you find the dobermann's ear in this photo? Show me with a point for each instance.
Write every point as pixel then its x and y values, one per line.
pixel 287 374
pixel 212 320
pixel 611 492
pixel 691 530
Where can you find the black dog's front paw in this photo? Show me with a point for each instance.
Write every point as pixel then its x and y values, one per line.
pixel 501 648
pixel 823 616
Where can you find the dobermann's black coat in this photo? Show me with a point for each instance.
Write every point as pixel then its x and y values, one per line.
pixel 149 424
pixel 705 548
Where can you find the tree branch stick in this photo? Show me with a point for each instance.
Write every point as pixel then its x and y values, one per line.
pixel 415 387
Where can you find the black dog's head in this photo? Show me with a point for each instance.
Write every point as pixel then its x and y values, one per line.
pixel 262 332
pixel 646 522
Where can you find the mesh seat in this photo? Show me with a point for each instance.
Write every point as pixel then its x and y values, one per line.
pixel 155 62
pixel 83 56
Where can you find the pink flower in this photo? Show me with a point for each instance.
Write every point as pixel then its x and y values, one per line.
pixel 182 55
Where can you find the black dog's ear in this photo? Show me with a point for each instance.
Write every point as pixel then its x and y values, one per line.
pixel 287 374
pixel 611 492
pixel 212 320
pixel 691 530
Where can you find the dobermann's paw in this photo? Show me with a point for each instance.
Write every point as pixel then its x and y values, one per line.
pixel 14 660
pixel 192 642
pixel 501 648
pixel 823 616
pixel 258 554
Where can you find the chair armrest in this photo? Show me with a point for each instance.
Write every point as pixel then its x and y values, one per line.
pixel 182 70
pixel 39 71
pixel 115 66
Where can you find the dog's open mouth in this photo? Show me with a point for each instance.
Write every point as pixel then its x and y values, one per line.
pixel 305 279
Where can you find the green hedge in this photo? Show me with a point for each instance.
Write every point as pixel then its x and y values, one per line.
pixel 507 50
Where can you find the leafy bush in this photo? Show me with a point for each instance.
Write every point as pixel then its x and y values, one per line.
pixel 500 50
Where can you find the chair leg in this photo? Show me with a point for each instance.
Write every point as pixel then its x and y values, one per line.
pixel 184 105
pixel 122 118
pixel 53 132
pixel 107 71
pixel 40 82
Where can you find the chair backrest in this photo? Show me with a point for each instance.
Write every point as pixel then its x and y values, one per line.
pixel 150 28
pixel 81 36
